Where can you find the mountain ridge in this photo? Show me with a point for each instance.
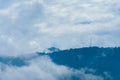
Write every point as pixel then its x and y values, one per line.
pixel 100 59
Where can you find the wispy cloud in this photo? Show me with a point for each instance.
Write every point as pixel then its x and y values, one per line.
pixel 43 68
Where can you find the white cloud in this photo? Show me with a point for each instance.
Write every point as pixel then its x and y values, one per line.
pixel 44 69
pixel 33 25
pixel 39 69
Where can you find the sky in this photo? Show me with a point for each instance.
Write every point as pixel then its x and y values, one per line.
pixel 28 26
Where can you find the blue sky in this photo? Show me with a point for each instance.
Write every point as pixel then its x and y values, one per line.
pixel 27 26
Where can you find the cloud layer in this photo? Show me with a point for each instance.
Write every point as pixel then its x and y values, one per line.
pixel 43 68
pixel 28 26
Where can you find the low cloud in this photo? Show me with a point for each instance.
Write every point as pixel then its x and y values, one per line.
pixel 43 68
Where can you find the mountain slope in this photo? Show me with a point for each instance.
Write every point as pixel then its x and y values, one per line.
pixel 103 60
